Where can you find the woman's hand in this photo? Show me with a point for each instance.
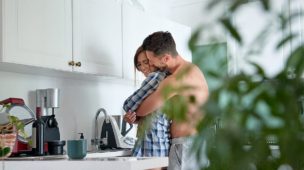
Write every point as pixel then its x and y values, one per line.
pixel 130 117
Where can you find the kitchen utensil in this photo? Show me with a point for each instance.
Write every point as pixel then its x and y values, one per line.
pixel 77 149
pixel 111 136
pixel 56 147
pixel 48 100
pixel 27 116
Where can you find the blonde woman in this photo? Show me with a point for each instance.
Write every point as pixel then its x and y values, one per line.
pixel 155 138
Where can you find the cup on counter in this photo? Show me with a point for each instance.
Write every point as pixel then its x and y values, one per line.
pixel 77 149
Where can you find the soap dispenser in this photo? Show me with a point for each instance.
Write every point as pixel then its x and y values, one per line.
pixel 77 149
pixel 81 135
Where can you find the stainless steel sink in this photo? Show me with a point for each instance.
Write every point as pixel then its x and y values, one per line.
pixel 115 159
pixel 109 153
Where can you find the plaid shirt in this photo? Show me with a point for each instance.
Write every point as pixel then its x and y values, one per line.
pixel 156 138
pixel 148 86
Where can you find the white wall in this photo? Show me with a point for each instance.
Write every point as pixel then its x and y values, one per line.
pixel 80 99
pixel 195 14
pixel 192 13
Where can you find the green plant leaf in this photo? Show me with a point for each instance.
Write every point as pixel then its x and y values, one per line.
pixel 236 4
pixel 4 151
pixel 194 38
pixel 260 70
pixel 295 61
pixel 18 124
pixel 176 108
pixel 286 39
pixel 226 22
pixel 212 4
pixel 265 4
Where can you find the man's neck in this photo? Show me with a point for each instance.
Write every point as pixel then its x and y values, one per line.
pixel 177 63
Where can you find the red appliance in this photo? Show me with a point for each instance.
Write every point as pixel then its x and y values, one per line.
pixel 22 145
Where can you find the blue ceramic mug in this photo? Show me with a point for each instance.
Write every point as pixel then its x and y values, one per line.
pixel 77 149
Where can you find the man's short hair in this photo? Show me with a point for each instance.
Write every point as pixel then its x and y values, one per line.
pixel 160 43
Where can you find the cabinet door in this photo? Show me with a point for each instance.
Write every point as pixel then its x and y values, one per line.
pixel 97 37
pixel 250 20
pixel 137 25
pixel 37 33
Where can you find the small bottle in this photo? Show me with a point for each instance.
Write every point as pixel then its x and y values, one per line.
pixel 38 134
pixel 81 136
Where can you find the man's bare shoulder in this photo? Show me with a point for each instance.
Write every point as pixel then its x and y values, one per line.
pixel 169 80
pixel 191 72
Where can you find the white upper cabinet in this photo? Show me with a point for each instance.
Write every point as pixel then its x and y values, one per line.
pixel 137 25
pixel 72 35
pixel 97 37
pixel 37 33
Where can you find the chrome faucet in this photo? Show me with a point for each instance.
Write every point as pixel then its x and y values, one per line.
pixel 97 141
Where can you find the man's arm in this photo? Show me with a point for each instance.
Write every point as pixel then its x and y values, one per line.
pixel 155 100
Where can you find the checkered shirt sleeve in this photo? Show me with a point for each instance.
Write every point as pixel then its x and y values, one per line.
pixel 148 86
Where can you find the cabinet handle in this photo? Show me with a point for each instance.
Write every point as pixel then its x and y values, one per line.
pixel 78 64
pixel 71 63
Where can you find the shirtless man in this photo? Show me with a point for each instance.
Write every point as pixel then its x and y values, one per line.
pixel 161 51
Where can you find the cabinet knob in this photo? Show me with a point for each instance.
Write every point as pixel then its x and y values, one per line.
pixel 78 64
pixel 71 63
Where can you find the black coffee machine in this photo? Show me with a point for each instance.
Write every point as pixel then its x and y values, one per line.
pixel 48 100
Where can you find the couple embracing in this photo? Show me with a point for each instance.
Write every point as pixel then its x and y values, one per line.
pixel 158 59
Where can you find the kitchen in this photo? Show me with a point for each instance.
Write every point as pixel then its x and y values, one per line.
pixel 83 89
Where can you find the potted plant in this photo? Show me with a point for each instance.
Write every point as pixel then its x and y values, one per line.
pixel 10 127
pixel 251 121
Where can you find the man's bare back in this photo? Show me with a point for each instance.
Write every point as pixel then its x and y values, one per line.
pixel 194 78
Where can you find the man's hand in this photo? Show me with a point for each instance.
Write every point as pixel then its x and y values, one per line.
pixel 130 117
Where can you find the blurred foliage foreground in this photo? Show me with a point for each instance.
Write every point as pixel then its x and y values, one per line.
pixel 248 114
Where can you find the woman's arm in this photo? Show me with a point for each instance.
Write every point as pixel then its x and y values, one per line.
pixel 131 118
pixel 149 85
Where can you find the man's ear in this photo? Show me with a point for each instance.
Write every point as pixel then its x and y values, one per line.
pixel 166 58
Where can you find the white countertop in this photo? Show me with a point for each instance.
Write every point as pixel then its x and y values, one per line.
pixel 99 154
pixel 100 160
pixel 112 163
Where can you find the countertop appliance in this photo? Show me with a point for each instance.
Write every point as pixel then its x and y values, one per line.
pixel 48 101
pixel 110 135
pixel 27 116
